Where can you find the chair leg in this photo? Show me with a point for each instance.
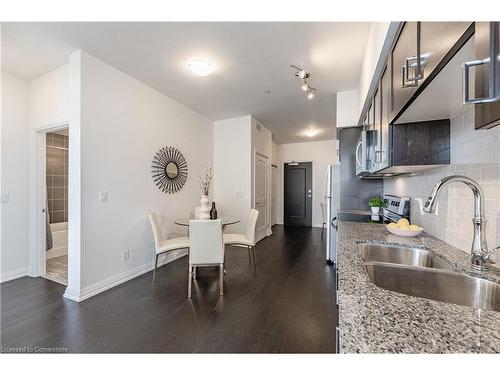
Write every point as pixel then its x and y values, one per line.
pixel 253 254
pixel 189 280
pixel 249 257
pixel 322 227
pixel 221 277
pixel 194 272
pixel 156 265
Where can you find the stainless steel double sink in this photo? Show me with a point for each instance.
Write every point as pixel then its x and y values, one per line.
pixel 421 273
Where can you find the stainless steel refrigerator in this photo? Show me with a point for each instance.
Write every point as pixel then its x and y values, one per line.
pixel 332 203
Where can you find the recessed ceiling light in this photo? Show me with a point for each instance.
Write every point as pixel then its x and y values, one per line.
pixel 310 95
pixel 311 132
pixel 201 67
pixel 305 87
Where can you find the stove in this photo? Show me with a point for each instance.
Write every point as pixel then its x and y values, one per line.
pixel 395 208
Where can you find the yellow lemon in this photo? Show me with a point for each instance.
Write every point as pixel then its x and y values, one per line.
pixel 415 227
pixel 403 222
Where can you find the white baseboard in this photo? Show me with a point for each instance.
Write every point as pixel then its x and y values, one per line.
pixel 16 274
pixel 116 280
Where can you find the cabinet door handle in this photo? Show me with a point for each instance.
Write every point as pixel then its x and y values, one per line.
pixel 405 83
pixel 465 83
pixel 417 64
pixel 357 154
pixel 492 60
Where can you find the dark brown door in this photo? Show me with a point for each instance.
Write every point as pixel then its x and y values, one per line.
pixel 298 194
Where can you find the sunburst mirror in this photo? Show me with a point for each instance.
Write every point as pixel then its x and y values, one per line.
pixel 169 170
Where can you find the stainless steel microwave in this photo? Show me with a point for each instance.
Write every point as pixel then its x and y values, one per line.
pixel 363 153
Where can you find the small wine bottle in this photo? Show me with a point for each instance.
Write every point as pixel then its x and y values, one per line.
pixel 213 212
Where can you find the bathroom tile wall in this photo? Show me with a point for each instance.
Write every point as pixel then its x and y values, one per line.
pixel 475 154
pixel 57 176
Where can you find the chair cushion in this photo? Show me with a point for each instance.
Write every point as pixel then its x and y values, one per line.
pixel 236 239
pixel 174 244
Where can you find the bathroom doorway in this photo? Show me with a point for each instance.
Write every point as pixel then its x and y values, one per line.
pixel 56 212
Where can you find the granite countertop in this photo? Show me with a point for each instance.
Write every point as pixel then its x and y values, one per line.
pixel 375 320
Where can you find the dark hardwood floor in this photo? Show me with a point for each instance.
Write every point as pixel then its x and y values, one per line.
pixel 286 304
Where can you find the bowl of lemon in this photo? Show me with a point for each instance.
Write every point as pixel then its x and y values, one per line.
pixel 404 228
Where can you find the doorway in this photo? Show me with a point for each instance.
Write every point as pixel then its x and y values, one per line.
pixel 298 194
pixel 262 195
pixel 55 246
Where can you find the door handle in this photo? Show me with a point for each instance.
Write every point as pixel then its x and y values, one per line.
pixel 465 83
pixel 333 224
pixel 357 154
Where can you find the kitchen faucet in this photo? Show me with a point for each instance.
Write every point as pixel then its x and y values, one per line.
pixel 480 255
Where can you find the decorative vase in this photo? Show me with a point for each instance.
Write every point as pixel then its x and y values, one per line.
pixel 204 207
pixel 375 210
pixel 213 212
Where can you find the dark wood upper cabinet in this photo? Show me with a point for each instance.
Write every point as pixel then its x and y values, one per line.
pixel 420 52
pixel 436 40
pixel 405 48
pixel 377 101
pixel 486 76
pixel 385 89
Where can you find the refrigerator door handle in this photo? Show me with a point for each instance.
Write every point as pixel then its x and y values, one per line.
pixel 333 224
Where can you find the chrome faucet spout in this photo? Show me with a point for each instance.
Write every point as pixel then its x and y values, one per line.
pixel 480 255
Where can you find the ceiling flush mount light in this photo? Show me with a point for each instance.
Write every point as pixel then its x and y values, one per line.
pixel 311 132
pixel 201 67
pixel 305 77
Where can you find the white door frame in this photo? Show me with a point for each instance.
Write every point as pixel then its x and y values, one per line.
pixel 38 250
pixel 268 188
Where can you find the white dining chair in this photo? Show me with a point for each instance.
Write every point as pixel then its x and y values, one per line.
pixel 165 245
pixel 323 215
pixel 248 238
pixel 207 248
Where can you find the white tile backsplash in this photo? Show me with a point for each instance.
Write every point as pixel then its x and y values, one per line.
pixel 475 154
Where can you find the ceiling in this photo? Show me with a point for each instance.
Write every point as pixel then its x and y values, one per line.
pixel 249 59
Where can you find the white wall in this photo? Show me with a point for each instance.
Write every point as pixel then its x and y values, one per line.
pixel 123 124
pixel 321 154
pixel 232 157
pixel 14 178
pixel 49 100
pixel 474 153
pixel 376 38
pixel 347 109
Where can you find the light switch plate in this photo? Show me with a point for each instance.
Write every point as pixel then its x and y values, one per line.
pixel 103 196
pixel 125 255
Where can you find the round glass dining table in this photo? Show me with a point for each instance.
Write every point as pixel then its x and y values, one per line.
pixel 226 220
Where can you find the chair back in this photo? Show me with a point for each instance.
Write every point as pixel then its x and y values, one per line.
pixel 207 246
pixel 252 222
pixel 323 213
pixel 156 229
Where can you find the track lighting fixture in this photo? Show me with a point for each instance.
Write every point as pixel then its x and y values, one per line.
pixel 304 76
